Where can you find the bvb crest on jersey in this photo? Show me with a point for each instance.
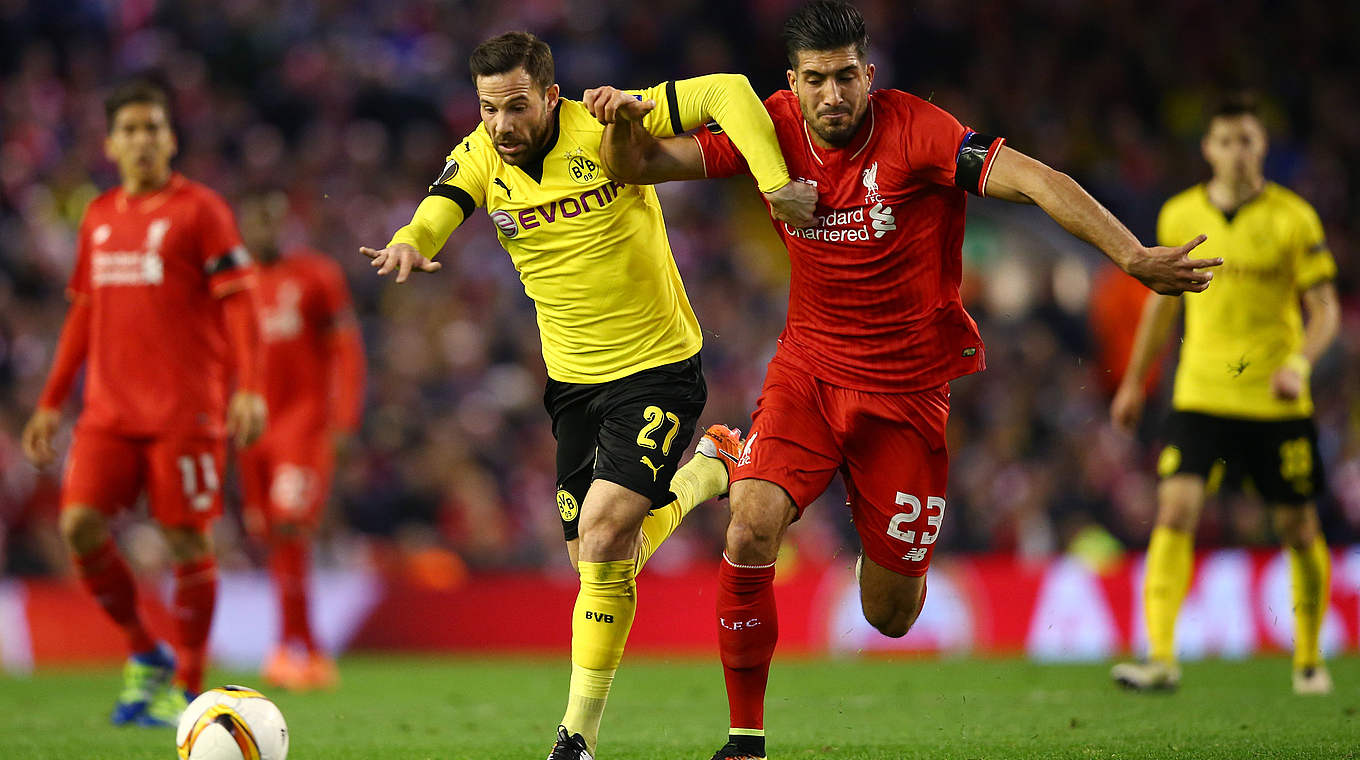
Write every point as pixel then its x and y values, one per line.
pixel 581 168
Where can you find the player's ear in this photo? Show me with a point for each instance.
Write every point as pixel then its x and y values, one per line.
pixel 869 74
pixel 793 80
pixel 552 95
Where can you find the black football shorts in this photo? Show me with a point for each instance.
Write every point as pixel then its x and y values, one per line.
pixel 631 431
pixel 1280 457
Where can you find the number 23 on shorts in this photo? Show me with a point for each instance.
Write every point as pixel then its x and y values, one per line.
pixel 934 509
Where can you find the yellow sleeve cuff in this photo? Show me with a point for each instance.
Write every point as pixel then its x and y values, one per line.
pixel 435 219
pixel 729 100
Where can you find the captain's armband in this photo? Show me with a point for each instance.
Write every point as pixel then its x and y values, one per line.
pixel 976 153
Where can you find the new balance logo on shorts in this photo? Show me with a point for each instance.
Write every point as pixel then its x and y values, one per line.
pixel 599 616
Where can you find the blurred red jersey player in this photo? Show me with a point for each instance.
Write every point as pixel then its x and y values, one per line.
pixel 314 386
pixel 162 313
pixel 876 328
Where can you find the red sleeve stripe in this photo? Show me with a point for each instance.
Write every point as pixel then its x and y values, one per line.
pixel 702 159
pixel 992 150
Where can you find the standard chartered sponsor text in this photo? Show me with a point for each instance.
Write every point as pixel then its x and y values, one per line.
pixel 834 227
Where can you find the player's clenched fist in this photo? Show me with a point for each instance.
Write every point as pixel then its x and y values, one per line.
pixel 795 203
pixel 610 105
pixel 401 257
pixel 38 435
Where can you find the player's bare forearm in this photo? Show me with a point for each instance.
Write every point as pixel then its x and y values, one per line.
pixel 630 154
pixel 1322 321
pixel 1020 179
pixel 624 150
pixel 1154 327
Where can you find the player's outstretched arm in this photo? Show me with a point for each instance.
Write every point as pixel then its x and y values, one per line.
pixel 1167 270
pixel 72 347
pixel 1154 327
pixel 631 154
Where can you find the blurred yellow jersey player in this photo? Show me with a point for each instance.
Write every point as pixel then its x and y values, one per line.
pixel 620 341
pixel 1241 391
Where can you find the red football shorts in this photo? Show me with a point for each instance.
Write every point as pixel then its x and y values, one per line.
pixel 181 475
pixel 285 480
pixel 889 448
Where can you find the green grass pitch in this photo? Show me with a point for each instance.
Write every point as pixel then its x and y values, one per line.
pixel 492 709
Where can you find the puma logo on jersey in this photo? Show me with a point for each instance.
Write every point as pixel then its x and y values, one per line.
pixel 655 468
pixel 503 186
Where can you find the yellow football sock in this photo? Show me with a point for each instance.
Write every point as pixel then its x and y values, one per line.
pixel 1310 570
pixel 1170 559
pixel 599 629
pixel 699 480
pixel 657 527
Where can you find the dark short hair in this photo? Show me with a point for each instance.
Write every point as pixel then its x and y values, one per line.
pixel 138 91
pixel 510 51
pixel 1235 103
pixel 824 25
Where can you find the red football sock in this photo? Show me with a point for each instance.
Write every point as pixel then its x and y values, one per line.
pixel 195 596
pixel 288 563
pixel 747 630
pixel 105 575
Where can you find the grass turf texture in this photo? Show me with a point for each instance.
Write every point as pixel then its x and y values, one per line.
pixel 489 709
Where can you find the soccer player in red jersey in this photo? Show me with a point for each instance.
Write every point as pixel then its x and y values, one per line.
pixel 162 314
pixel 313 384
pixel 875 329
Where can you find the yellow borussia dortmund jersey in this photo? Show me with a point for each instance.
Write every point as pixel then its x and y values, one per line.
pixel 592 253
pixel 1240 330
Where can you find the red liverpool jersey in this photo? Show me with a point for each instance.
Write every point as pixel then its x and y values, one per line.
pixel 306 315
pixel 152 267
pixel 874 289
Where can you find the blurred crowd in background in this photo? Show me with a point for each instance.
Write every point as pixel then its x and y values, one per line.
pixel 347 109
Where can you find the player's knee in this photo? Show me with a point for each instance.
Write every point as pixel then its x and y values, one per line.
pixel 751 542
pixel 83 528
pixel 1179 500
pixel 759 517
pixel 607 538
pixel 892 620
pixel 188 544
pixel 1294 527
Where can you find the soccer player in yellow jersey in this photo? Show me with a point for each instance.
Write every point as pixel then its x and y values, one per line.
pixel 620 340
pixel 1241 391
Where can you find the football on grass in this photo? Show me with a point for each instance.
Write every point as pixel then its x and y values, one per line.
pixel 232 723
